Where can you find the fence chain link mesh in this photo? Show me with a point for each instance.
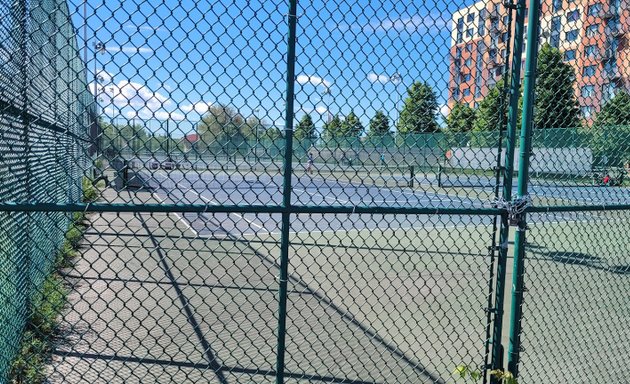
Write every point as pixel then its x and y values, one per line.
pixel 284 191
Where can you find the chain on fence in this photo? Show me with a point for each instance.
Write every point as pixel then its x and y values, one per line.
pixel 345 192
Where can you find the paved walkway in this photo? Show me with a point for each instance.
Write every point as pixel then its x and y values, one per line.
pixel 154 303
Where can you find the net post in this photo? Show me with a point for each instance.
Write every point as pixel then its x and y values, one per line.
pixel 412 175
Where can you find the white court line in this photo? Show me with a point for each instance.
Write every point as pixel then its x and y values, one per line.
pixel 325 197
pixel 229 213
pixel 158 198
pixel 186 222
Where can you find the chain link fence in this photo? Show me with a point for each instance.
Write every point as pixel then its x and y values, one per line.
pixel 344 192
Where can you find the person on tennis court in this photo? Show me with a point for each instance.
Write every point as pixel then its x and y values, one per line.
pixel 309 167
pixel 382 158
pixel 606 180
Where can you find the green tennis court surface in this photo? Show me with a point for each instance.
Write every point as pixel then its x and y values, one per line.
pixel 404 304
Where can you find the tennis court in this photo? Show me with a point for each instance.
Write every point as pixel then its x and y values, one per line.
pixel 401 297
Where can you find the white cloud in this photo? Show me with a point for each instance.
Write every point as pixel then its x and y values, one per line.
pixel 321 109
pixel 314 80
pixel 164 115
pixel 445 110
pixel 200 107
pixel 129 49
pixel 136 96
pixel 374 77
pixel 131 114
pixel 110 111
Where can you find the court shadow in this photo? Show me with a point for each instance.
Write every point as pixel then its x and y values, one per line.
pixel 620 269
pixel 574 258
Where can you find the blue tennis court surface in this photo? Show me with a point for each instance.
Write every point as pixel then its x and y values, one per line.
pixel 218 188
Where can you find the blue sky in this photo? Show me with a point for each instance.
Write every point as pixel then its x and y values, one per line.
pixel 172 59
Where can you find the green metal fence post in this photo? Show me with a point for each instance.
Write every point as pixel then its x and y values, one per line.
pixel 286 192
pixel 523 179
pixel 515 84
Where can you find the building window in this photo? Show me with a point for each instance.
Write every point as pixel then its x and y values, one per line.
pixel 610 67
pixel 504 37
pixel 466 92
pixel 587 111
pixel 587 90
pixel 460 37
pixel 460 24
pixel 506 20
pixel 458 52
pixel 471 17
pixel 591 51
pixel 595 9
pixel 482 22
pixel 573 16
pixel 492 54
pixel 498 72
pixel 589 70
pixel 465 77
pixel 572 35
pixel 504 54
pixel 569 55
pixel 468 47
pixel 592 30
pixel 557 5
pixel 556 25
pixel 608 91
pixel 468 62
pixel 456 93
pixel 470 32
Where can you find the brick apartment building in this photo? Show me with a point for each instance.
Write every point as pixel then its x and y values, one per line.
pixel 593 36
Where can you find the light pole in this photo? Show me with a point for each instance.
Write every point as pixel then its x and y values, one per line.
pixel 98 47
pixel 256 129
pixel 396 79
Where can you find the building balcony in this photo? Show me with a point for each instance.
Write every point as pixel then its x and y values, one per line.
pixel 494 63
pixel 609 54
pixel 493 14
pixel 617 31
pixel 612 74
pixel 609 14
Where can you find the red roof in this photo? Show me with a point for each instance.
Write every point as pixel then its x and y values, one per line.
pixel 192 138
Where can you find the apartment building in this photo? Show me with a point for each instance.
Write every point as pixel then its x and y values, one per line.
pixel 591 34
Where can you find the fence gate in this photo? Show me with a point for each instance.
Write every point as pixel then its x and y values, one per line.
pixel 344 192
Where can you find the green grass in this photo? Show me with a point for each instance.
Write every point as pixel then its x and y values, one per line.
pixel 47 305
pixel 37 341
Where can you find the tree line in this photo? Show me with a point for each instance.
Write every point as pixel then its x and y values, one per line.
pixel 556 106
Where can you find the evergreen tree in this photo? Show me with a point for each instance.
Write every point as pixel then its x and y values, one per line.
pixel 332 128
pixel 490 114
pixel 351 126
pixel 556 105
pixel 379 125
pixel 615 112
pixel 611 132
pixel 461 118
pixel 419 111
pixel 305 129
